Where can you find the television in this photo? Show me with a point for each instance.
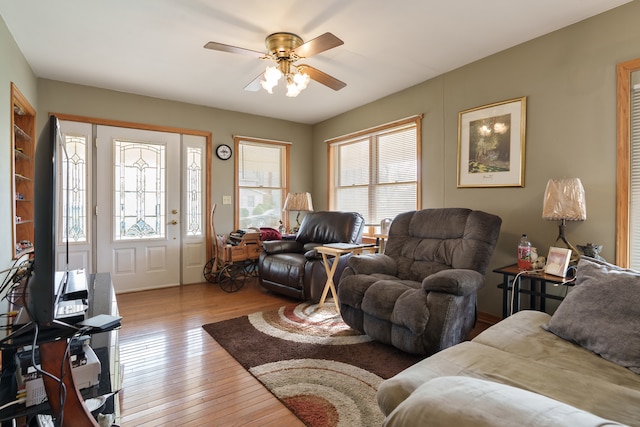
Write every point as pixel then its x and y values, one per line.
pixel 41 287
pixel 44 286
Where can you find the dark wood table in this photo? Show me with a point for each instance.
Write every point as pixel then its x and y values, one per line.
pixel 537 288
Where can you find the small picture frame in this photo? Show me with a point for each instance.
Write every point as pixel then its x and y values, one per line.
pixel 491 144
pixel 557 261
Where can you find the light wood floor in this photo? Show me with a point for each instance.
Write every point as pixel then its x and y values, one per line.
pixel 175 374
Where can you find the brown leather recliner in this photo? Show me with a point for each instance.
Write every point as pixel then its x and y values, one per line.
pixel 294 268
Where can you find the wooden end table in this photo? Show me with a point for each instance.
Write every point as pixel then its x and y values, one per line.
pixel 335 251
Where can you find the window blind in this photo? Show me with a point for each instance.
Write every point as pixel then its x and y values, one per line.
pixel 261 182
pixel 376 173
pixel 634 184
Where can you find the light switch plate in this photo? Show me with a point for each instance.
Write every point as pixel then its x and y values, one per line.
pixel 226 200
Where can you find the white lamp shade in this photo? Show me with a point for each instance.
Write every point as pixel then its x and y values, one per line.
pixel 564 199
pixel 300 202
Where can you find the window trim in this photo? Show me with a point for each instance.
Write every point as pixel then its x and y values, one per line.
pixel 623 176
pixel 332 143
pixel 237 139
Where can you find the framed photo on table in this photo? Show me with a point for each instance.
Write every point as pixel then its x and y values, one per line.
pixel 491 142
pixel 557 261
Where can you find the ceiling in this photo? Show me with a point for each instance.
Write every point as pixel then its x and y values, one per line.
pixel 155 47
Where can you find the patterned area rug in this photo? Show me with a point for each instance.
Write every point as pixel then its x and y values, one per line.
pixel 323 370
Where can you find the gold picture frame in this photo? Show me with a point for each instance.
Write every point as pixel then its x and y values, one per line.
pixel 491 144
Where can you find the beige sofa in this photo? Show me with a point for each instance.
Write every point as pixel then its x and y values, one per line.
pixel 580 367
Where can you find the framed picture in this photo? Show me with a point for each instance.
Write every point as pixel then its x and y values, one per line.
pixel 491 143
pixel 557 261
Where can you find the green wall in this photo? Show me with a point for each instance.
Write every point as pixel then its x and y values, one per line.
pixel 569 80
pixel 13 68
pixel 58 97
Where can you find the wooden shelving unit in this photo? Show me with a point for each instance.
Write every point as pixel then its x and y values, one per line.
pixel 23 123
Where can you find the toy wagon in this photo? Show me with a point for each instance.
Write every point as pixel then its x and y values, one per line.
pixel 234 258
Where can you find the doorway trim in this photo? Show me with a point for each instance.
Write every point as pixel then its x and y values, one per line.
pixel 170 129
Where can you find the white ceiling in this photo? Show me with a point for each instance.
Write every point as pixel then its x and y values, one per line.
pixel 155 47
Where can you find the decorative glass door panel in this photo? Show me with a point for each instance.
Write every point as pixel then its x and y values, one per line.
pixel 139 190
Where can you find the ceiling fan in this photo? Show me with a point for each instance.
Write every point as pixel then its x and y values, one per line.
pixel 285 49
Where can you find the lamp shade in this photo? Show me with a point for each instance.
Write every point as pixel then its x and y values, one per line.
pixel 564 199
pixel 300 202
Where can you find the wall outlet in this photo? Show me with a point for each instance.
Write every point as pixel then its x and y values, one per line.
pixel 226 200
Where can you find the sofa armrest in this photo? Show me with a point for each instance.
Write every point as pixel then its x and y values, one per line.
pixel 466 401
pixel 373 263
pixel 457 282
pixel 282 246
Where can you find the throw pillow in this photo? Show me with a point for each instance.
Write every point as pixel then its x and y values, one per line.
pixel 602 312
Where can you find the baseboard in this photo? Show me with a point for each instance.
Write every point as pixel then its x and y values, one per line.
pixel 488 319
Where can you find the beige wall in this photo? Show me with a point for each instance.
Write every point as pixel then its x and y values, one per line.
pixel 58 97
pixel 13 68
pixel 568 77
pixel 569 80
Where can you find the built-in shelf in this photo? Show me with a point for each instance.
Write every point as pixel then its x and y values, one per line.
pixel 23 122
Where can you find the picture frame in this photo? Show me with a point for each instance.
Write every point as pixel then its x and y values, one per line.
pixel 557 261
pixel 491 144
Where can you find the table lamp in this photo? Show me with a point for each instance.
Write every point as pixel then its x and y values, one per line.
pixel 564 200
pixel 300 202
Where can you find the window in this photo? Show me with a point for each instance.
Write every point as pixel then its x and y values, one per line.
pixel 634 194
pixel 194 160
pixel 139 187
pixel 376 172
pixel 628 165
pixel 73 192
pixel 262 182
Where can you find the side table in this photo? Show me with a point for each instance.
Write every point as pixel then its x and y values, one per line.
pixel 337 250
pixel 512 278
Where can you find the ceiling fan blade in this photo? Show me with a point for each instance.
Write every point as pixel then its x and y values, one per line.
pixel 234 49
pixel 321 77
pixel 255 85
pixel 319 44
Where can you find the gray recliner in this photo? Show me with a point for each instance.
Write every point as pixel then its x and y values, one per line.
pixel 420 295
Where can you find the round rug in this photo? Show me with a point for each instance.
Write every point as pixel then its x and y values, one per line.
pixel 324 393
pixel 307 323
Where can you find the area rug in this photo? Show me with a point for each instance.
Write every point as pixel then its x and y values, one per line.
pixel 324 371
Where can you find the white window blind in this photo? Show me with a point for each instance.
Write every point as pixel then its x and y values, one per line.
pixel 376 173
pixel 262 182
pixel 634 202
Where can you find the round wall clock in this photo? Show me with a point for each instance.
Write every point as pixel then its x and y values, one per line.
pixel 223 151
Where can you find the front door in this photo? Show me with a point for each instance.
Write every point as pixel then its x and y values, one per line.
pixel 138 207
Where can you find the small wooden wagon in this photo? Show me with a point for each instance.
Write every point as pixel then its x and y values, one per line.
pixel 235 258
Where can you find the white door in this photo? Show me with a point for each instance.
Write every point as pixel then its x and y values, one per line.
pixel 138 207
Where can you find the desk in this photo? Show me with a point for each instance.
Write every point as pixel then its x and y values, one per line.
pixel 537 288
pixel 331 269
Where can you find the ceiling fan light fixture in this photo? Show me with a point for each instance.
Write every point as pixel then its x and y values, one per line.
pixel 297 83
pixel 271 77
pixel 285 49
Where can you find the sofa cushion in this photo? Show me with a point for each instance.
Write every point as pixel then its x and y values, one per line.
pixel 602 312
pixel 463 401
pixel 519 353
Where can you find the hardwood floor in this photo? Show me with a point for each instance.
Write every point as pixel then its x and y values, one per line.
pixel 176 374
